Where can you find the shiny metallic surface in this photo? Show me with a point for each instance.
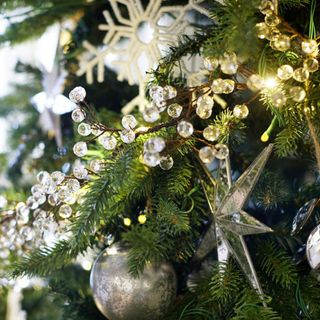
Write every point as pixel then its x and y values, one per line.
pixel 120 296
pixel 313 248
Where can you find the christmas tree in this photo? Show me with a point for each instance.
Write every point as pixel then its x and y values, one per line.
pixel 200 200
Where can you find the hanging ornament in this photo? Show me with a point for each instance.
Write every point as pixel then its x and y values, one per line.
pixel 313 248
pixel 231 223
pixel 120 296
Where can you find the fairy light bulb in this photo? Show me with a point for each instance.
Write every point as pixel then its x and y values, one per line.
pixel 271 83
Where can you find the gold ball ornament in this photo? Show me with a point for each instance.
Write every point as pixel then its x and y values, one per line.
pixel 120 296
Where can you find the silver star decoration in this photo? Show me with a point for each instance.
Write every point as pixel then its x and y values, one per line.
pixel 230 223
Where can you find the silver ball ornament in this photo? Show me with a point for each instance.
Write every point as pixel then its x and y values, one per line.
pixel 313 248
pixel 120 296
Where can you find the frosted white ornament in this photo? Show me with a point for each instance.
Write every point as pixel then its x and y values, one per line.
pixel 240 111
pixel 211 133
pixel 84 129
pixel 151 159
pixel 166 162
pixel 174 110
pixel 151 114
pixel 154 145
pixel 80 149
pixel 127 136
pixel 78 115
pixel 77 95
pixel 109 142
pixel 57 177
pixel 222 151
pixel 129 122
pixel 65 211
pixel 206 154
pixel 285 72
pixel 185 129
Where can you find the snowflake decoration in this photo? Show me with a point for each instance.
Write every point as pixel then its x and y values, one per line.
pixel 137 41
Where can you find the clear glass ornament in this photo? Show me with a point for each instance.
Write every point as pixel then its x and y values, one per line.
pixel 95 130
pixel 78 115
pixel 161 105
pixel 65 211
pixel 73 185
pixel 174 110
pixel 285 72
pixel 57 177
pixel 169 92
pixel 309 47
pixel 77 95
pixel 166 162
pixel 240 111
pixel 129 122
pixel 80 172
pixel 84 129
pixel 43 177
pixel 271 20
pixel 311 64
pixel 297 93
pixel 228 86
pixel 211 133
pixel 210 63
pixel 65 195
pixel 109 142
pixel 80 149
pixel 96 165
pixel 222 151
pixel 27 233
pixel 37 188
pixel 154 145
pixel 204 112
pixel 156 92
pixel 218 86
pixel 255 82
pixel 301 74
pixel 263 31
pixel 266 6
pixel 151 159
pixel 40 198
pixel 53 199
pixel 278 98
pixel 205 102
pixel 185 129
pixel 280 42
pixel 206 154
pixel 127 136
pixel 228 63
pixel 49 187
pixel 151 114
pixel 32 203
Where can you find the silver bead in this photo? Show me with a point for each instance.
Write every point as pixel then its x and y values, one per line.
pixel 78 115
pixel 80 149
pixel 77 94
pixel 185 129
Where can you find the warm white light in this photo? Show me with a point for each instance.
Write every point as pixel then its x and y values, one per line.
pixel 271 83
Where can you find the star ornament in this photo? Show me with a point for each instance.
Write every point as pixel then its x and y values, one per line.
pixel 231 223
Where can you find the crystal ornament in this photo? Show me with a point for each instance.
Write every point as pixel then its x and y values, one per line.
pixel 154 145
pixel 205 102
pixel 37 188
pixel 166 162
pixel 278 99
pixel 228 86
pixel 57 177
pixel 129 122
pixel 73 185
pixel 311 64
pixel 169 92
pixel 266 6
pixel 218 86
pixel 228 63
pixel 230 229
pixel 309 47
pixel 80 149
pixel 222 151
pixel 84 129
pixel 65 211
pixel 156 93
pixel 255 82
pixel 297 93
pixel 151 159
pixel 301 74
pixel 32 203
pixel 204 112
pixel 80 172
pixel 65 195
pixel 280 42
pixel 174 110
pixel 185 129
pixel 210 63
pixel 43 177
pixel 53 199
pixel 285 72
pixel 211 133
pixel 109 142
pixel 240 111
pixel 78 115
pixel 77 95
pixel 263 31
pixel 96 165
pixel 271 20
pixel 151 114
pixel 127 136
pixel 313 248
pixel 95 130
pixel 207 154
